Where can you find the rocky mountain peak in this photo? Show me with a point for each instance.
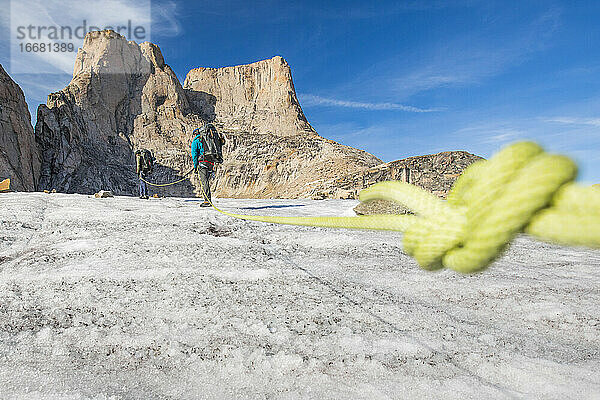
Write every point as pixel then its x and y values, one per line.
pixel 255 98
pixel 122 97
pixel 107 52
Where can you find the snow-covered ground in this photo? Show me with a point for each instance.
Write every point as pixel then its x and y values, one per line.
pixel 122 298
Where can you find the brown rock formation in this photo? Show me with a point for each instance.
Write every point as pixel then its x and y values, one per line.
pixel 435 173
pixel 272 166
pixel 19 157
pixel 123 96
pixel 272 150
pixel 254 98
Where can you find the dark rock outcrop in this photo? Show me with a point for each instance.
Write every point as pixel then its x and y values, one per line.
pixel 381 207
pixel 435 173
pixel 19 157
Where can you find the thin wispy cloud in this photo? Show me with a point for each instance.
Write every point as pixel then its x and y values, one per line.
pixel 491 133
pixel 332 10
pixel 50 23
pixel 460 61
pixel 327 11
pixel 575 121
pixel 312 100
pixel 39 86
pixel 165 19
pixel 573 136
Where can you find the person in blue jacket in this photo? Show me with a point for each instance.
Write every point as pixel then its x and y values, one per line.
pixel 202 166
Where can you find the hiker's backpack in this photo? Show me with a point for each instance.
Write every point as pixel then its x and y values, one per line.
pixel 211 142
pixel 146 159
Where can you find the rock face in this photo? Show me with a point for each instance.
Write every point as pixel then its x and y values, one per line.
pixel 123 97
pixel 19 157
pixel 272 166
pixel 254 98
pixel 435 173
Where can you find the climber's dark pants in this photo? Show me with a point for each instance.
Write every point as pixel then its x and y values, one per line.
pixel 204 175
pixel 143 186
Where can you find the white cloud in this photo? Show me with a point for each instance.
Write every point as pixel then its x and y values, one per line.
pixel 165 19
pixel 492 133
pixel 312 100
pixel 39 86
pixel 574 121
pixel 47 16
pixel 467 59
pixel 343 10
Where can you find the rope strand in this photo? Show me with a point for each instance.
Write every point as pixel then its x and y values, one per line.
pixel 520 189
pixel 167 184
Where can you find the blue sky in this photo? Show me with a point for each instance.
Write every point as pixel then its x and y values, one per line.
pixel 403 78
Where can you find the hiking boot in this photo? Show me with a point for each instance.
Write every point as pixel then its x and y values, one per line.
pixel 205 204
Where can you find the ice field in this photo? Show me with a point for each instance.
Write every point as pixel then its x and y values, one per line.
pixel 122 298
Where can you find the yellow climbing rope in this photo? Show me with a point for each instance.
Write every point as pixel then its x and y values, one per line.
pixel 168 184
pixel 520 189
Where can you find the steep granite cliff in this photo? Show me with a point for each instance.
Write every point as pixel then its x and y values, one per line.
pixel 254 98
pixel 122 97
pixel 19 157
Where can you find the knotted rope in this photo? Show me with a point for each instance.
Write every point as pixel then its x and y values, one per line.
pixel 170 183
pixel 520 189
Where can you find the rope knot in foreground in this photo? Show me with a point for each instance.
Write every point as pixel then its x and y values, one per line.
pixel 521 188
